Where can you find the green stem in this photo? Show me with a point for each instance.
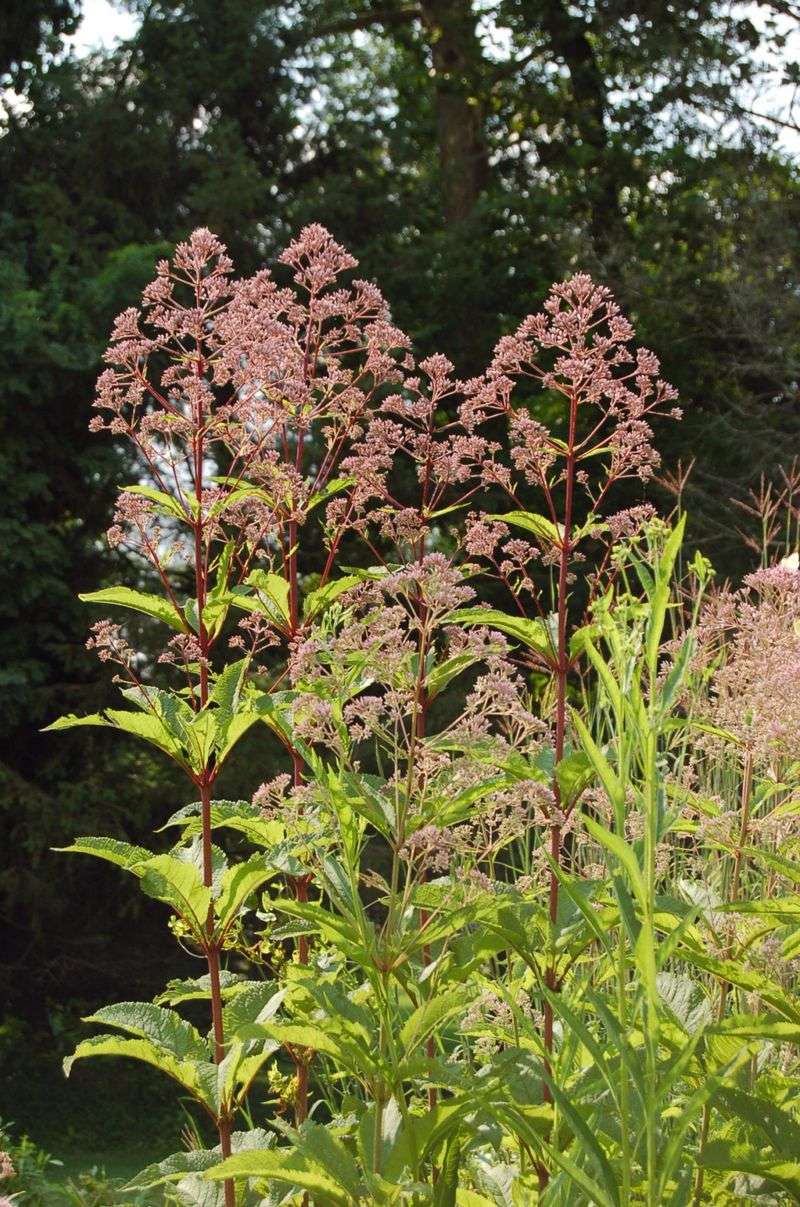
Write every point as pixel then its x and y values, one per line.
pixel 724 988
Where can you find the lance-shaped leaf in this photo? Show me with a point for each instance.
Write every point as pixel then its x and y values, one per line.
pixel 240 815
pixel 197 989
pixel 122 854
pixel 539 525
pixel 271 595
pixel 198 1078
pixel 146 726
pixel 238 882
pixel 333 928
pixel 780 1129
pixel 623 853
pixel 243 1061
pixel 160 1038
pixel 178 883
pixel 426 1018
pixel 253 1002
pixel 733 1157
pixel 659 597
pixel 439 676
pixel 759 1027
pixel 288 1166
pixel 317 1158
pixel 605 773
pixel 194 1161
pixel 421 1136
pixel 328 1036
pixel 201 739
pixel 334 487
pixel 322 597
pixel 532 633
pixel 165 503
pixel 156 1023
pixel 219 597
pixel 155 606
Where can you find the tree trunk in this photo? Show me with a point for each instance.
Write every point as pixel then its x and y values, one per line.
pixel 460 112
pixel 570 41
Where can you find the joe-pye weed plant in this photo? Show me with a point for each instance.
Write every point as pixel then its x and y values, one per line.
pixel 220 386
pixel 496 971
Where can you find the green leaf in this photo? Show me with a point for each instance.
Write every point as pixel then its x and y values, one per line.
pixel 331 1040
pixel 238 882
pixel 167 504
pixel 171 1169
pixel 426 1018
pixel 541 527
pixel 438 678
pixel 623 853
pixel 179 885
pixel 759 1026
pixel 782 1131
pixel 605 773
pixel 447 1185
pixel 318 600
pixel 147 726
pixel 122 854
pixel 573 774
pixel 241 816
pixel 659 598
pixel 284 1165
pixel 253 1002
pixel 532 633
pixel 198 1078
pixel 199 988
pixel 730 1156
pixel 320 1145
pixel 70 721
pixel 273 593
pixel 154 606
pixel 334 487
pixel 155 1023
pixel 420 1136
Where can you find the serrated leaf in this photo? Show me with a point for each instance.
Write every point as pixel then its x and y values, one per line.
pixel 254 1002
pixel 146 726
pixel 155 606
pixel 541 527
pixel 334 487
pixel 322 597
pixel 284 1165
pixel 272 591
pixel 123 854
pixel 426 1018
pixel 729 1156
pixel 240 816
pixel 178 884
pixel 532 633
pixel 441 675
pixel 199 988
pixel 167 504
pixel 198 1078
pixel 238 882
pixel 155 1023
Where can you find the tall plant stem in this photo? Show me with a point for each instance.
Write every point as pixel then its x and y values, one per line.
pixel 562 672
pixel 724 988
pixel 299 883
pixel 212 951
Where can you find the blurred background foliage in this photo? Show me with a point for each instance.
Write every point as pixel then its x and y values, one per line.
pixel 468 152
